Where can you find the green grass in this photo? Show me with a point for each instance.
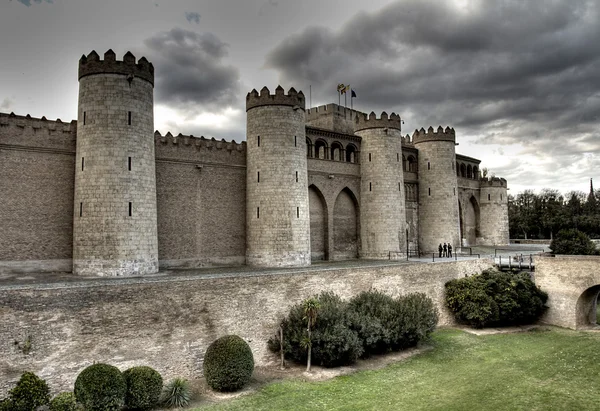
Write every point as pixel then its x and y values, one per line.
pixel 538 370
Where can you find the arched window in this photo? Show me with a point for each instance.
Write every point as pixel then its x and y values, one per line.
pixel 469 171
pixel 351 153
pixel 404 163
pixel 321 149
pixel 457 170
pixel 463 170
pixel 412 164
pixel 475 173
pixel 309 148
pixel 336 151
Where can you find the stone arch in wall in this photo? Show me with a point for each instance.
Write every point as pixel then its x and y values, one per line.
pixel 321 149
pixel 463 170
pixel 309 148
pixel 475 173
pixel 469 222
pixel 345 226
pixel 586 307
pixel 412 164
pixel 318 224
pixel 351 152
pixel 337 151
pixel 469 171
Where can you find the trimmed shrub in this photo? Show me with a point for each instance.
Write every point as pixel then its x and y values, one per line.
pixel 573 242
pixel 65 401
pixel 384 324
pixel 494 298
pixel 334 341
pixel 372 316
pixel 144 385
pixel 100 387
pixel 177 393
pixel 228 363
pixel 30 392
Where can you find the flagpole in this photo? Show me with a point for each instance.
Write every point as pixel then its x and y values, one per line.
pixel 310 96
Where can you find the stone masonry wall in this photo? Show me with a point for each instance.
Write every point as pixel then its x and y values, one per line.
pixel 383 214
pixel 572 283
pixel 36 202
pixel 167 323
pixel 494 214
pixel 277 216
pixel 438 204
pixel 115 187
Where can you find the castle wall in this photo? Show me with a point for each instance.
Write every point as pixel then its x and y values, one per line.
pixel 114 229
pixel 494 212
pixel 277 215
pixel 201 196
pixel 167 323
pixel 36 202
pixel 383 215
pixel 438 204
pixel 332 117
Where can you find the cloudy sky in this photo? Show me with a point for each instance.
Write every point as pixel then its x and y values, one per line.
pixel 518 80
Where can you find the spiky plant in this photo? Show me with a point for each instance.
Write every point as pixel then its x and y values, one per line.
pixel 177 393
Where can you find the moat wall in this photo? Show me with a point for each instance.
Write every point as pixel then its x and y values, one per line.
pixel 168 322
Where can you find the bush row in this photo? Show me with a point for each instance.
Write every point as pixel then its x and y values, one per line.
pixel 370 323
pixel 495 298
pixel 228 366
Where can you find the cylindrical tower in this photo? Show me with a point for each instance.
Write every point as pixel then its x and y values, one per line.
pixel 277 219
pixel 438 197
pixel 493 203
pixel 382 208
pixel 114 230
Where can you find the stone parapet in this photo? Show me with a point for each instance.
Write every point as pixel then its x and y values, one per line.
pixel 293 98
pixel 91 64
pixel 364 122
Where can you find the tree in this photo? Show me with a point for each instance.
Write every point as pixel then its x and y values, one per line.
pixel 573 242
pixel 311 307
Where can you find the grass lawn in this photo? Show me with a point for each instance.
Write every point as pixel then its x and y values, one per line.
pixel 549 369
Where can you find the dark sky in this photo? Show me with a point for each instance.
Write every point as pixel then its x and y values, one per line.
pixel 518 80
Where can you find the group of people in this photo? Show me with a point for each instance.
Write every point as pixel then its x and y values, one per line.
pixel 445 250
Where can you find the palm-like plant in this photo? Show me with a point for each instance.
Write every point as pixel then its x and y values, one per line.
pixel 311 307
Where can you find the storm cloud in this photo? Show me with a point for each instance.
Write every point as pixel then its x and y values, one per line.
pixel 502 72
pixel 191 73
pixel 192 17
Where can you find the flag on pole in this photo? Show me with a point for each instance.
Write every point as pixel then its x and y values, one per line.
pixel 353 94
pixel 345 89
pixel 341 87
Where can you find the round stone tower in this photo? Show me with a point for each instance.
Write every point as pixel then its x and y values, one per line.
pixel 438 198
pixel 114 230
pixel 277 216
pixel 382 209
pixel 493 203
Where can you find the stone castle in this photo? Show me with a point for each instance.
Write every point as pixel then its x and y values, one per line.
pixel 105 195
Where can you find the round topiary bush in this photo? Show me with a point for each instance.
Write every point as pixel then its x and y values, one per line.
pixel 100 387
pixel 228 363
pixel 144 385
pixel 65 401
pixel 30 392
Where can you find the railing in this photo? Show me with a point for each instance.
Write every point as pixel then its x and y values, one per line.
pixel 518 261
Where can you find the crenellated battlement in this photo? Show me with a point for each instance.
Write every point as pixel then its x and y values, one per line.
pixel 363 121
pixel 13 120
pixel 493 182
pixel 441 134
pixel 265 98
pixel 91 64
pixel 199 142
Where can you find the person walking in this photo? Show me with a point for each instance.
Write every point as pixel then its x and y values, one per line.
pixel 445 252
pixel 440 249
pixel 449 250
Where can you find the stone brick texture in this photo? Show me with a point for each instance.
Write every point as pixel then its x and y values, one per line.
pixel 438 191
pixel 114 230
pixel 383 216
pixel 168 322
pixel 573 284
pixel 277 215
